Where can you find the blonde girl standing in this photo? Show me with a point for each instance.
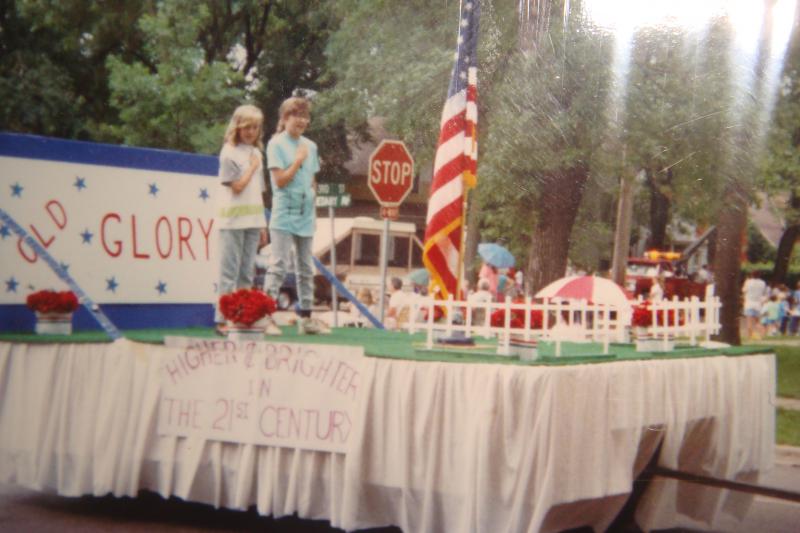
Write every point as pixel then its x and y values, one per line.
pixel 240 219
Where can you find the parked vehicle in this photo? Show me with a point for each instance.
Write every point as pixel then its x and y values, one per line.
pixel 641 271
pixel 358 244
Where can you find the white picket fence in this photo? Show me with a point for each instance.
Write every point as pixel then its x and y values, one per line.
pixel 562 320
pixel 693 318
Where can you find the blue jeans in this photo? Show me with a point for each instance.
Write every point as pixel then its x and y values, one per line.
pixel 279 260
pixel 238 249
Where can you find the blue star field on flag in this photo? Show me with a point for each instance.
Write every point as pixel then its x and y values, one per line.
pixel 467 48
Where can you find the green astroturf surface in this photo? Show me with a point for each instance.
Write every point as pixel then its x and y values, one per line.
pixel 400 345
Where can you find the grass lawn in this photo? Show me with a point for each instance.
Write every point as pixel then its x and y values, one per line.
pixel 787 429
pixel 787 421
pixel 788 358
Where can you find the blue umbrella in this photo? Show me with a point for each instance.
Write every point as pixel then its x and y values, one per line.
pixel 495 255
pixel 420 277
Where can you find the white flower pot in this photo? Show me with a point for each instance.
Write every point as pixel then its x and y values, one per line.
pixel 654 345
pixel 243 332
pixel 526 350
pixel 53 323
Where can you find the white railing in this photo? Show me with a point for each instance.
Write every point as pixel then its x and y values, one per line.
pixel 561 320
pixel 691 318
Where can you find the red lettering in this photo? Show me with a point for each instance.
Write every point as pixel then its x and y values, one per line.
pixel 206 233
pixel 338 419
pixel 117 243
pixel 26 257
pixel 136 253
pixel 163 254
pixel 47 243
pixel 184 237
pixel 59 218
pixel 60 222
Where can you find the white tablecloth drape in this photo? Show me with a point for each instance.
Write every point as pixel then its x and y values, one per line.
pixel 437 447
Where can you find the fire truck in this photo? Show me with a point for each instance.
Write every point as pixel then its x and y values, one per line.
pixel 641 271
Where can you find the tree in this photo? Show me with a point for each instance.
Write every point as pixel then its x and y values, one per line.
pixel 741 167
pixel 782 161
pixel 399 71
pixel 173 98
pixel 165 74
pixel 53 79
pixel 548 124
pixel 658 116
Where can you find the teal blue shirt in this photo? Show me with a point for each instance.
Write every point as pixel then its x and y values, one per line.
pixel 293 206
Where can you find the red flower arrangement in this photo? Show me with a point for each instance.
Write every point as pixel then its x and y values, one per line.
pixel 498 318
pixel 246 306
pixel 643 317
pixel 52 302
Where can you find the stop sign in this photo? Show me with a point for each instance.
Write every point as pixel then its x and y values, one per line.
pixel 391 173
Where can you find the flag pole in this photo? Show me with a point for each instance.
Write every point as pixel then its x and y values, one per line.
pixel 462 244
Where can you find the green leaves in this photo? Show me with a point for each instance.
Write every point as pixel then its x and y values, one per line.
pixel 173 98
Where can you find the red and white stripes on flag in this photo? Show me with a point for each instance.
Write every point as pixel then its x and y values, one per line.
pixel 455 165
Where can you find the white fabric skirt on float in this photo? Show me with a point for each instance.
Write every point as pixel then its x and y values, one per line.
pixel 435 446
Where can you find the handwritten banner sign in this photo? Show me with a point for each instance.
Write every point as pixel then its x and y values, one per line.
pixel 278 394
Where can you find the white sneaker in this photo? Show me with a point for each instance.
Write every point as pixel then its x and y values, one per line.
pixel 271 328
pixel 312 326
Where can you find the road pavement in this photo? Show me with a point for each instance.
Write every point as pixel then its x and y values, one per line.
pixel 26 510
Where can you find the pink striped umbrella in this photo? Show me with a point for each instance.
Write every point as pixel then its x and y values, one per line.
pixel 589 288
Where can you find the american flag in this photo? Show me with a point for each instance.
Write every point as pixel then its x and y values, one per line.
pixel 456 161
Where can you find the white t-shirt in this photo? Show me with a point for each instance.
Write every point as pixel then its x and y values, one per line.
pixel 754 290
pixel 480 297
pixel 246 209
pixel 397 300
pixel 656 292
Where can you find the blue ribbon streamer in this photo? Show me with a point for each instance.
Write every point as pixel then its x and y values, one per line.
pixel 347 294
pixel 87 302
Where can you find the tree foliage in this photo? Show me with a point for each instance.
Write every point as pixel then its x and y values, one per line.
pixel 53 79
pixel 383 68
pixel 548 123
pixel 181 101
pixel 782 161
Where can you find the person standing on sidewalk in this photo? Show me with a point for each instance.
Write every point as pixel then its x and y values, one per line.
pixel 754 292
pixel 293 162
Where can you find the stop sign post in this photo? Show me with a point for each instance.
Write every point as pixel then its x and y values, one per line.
pixel 390 177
